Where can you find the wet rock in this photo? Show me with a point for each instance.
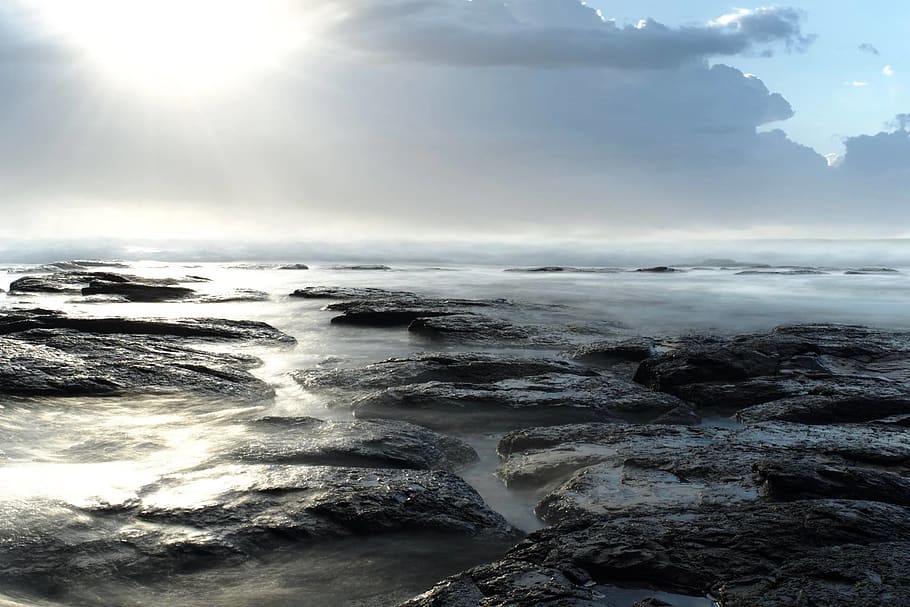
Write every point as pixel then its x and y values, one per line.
pixel 612 352
pixel 133 291
pixel 659 270
pixel 824 552
pixel 41 362
pixel 382 316
pixel 448 367
pixel 364 444
pixel 44 353
pixel 567 269
pixel 478 328
pixel 216 329
pixel 625 469
pixel 788 272
pixel 800 479
pixel 552 398
pixel 62 282
pixel 294 266
pixel 230 513
pixel 807 373
pixel 861 271
pixel 364 266
pixel 234 296
pixel 348 293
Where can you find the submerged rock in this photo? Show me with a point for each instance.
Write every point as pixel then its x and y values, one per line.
pixel 825 552
pixel 363 266
pixel 567 269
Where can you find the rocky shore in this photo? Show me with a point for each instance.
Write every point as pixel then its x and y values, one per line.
pixel 764 469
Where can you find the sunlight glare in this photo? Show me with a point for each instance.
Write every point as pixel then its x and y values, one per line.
pixel 178 47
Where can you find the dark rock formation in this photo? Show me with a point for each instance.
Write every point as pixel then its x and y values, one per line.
pixel 624 469
pixel 805 373
pixel 822 552
pixel 567 269
pixel 782 272
pixel 363 266
pixel 229 513
pixel 134 291
pixel 348 293
pixel 45 353
pixel 294 266
pixel 233 296
pixel 477 328
pixel 612 352
pixel 364 444
pixel 659 270
pixel 455 390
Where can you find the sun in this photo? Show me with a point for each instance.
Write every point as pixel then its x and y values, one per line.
pixel 176 48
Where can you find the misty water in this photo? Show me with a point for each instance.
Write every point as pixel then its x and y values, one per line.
pixel 80 451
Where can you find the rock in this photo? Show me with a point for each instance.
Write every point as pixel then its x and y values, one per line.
pixel 458 389
pixel 384 317
pixel 365 266
pixel 825 552
pixel 620 469
pixel 293 266
pixel 348 293
pixel 234 296
pixel 800 479
pixel 860 271
pixel 448 367
pixel 612 352
pixel 231 513
pixel 477 328
pixel 205 329
pixel 567 269
pixel 45 353
pixel 551 398
pixel 658 270
pixel 790 272
pixel 136 291
pixel 807 373
pixel 62 282
pixel 364 444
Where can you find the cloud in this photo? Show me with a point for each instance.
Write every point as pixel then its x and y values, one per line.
pixel 426 118
pixel 868 48
pixel 857 83
pixel 888 71
pixel 547 33
pixel 885 153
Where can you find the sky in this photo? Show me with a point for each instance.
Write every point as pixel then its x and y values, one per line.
pixel 517 120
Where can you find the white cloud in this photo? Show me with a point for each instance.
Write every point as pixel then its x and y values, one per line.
pixel 888 70
pixel 857 83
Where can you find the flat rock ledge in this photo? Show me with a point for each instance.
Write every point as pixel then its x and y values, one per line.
pixel 46 353
pixel 458 390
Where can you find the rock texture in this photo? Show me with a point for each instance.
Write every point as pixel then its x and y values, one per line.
pixel 45 353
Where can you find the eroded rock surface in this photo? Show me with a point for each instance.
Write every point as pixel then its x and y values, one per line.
pixel 804 553
pixel 805 373
pixel 45 353
pixel 452 390
pixel 229 513
pixel 364 444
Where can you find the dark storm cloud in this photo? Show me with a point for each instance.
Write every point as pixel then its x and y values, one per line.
pixel 550 33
